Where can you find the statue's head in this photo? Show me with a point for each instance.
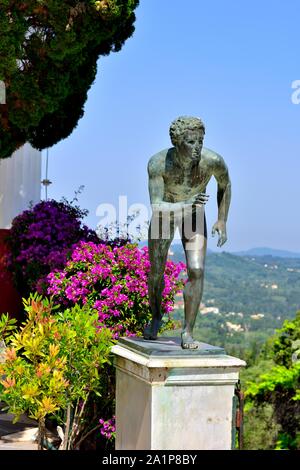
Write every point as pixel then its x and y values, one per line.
pixel 187 134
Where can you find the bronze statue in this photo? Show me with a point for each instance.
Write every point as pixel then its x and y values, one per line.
pixel 177 185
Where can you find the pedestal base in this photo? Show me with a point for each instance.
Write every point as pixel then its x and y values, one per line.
pixel 168 398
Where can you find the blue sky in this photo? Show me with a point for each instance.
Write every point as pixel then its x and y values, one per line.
pixel 232 64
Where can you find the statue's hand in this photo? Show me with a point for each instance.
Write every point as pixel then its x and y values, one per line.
pixel 220 228
pixel 198 200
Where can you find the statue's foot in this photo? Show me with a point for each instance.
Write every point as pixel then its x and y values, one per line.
pixel 187 341
pixel 150 331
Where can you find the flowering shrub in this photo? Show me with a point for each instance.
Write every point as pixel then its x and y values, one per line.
pixel 113 280
pixel 108 428
pixel 40 240
pixel 53 365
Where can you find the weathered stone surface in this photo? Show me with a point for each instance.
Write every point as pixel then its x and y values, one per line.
pixel 27 435
pixel 18 446
pixel 18 436
pixel 168 346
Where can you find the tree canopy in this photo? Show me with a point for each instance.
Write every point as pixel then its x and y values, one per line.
pixel 49 51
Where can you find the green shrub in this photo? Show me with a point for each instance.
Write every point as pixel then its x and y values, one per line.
pixel 53 365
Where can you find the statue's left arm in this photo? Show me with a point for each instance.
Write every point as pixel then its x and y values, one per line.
pixel 224 197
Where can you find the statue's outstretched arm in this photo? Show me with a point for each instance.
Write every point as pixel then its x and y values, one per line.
pixel 224 197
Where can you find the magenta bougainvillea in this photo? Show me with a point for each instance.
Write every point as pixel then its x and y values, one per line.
pixel 108 428
pixel 113 280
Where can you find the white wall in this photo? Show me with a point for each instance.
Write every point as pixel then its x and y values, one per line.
pixel 20 183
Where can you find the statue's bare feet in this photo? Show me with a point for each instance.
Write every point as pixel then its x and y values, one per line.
pixel 187 341
pixel 150 331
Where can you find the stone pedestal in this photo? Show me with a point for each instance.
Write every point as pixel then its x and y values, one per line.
pixel 173 399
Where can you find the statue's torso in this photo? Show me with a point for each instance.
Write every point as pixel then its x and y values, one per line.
pixel 181 184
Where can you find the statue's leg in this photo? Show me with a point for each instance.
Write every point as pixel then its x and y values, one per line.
pixel 195 252
pixel 158 253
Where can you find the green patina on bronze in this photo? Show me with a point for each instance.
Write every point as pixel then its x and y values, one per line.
pixel 178 178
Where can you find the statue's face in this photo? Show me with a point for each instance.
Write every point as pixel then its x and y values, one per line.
pixel 191 145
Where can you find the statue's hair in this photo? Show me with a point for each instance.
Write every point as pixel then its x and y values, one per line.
pixel 181 125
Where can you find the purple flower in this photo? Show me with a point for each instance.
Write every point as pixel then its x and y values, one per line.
pixel 108 428
pixel 41 240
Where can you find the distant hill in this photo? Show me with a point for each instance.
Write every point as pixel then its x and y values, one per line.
pixel 251 285
pixel 263 251
pixel 245 298
pixel 252 252
pixel 247 295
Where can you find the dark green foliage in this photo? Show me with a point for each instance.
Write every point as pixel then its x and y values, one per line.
pixel 279 385
pixel 287 343
pixel 49 51
pixel 260 429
